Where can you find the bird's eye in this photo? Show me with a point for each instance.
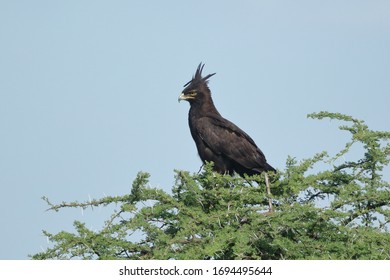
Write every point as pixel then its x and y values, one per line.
pixel 192 93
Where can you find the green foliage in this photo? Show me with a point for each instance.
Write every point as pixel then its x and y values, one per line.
pixel 338 213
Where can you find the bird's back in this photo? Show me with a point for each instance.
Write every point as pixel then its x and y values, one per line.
pixel 228 146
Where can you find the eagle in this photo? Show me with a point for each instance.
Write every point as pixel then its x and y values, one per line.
pixel 217 139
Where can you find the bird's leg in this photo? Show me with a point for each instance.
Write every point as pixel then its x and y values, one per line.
pixel 270 209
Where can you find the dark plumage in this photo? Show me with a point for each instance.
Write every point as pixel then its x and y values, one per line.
pixel 217 139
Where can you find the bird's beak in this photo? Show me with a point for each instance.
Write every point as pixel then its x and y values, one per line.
pixel 181 97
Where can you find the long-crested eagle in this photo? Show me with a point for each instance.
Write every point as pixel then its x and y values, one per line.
pixel 217 139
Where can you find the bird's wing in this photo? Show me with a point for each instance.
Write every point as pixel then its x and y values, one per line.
pixel 224 137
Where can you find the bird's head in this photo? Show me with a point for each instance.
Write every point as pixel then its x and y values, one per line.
pixel 196 90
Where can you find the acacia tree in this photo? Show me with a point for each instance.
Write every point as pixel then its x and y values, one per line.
pixel 337 213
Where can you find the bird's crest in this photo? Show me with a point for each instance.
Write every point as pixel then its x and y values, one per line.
pixel 197 79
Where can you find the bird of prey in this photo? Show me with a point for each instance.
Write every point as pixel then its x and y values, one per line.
pixel 216 138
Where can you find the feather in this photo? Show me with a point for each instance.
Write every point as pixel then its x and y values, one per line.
pixel 218 139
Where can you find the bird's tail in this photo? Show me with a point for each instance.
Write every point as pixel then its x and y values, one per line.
pixel 268 167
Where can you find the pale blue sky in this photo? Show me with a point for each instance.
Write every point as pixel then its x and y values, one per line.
pixel 88 92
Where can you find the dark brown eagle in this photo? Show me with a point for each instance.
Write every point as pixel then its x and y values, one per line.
pixel 217 139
